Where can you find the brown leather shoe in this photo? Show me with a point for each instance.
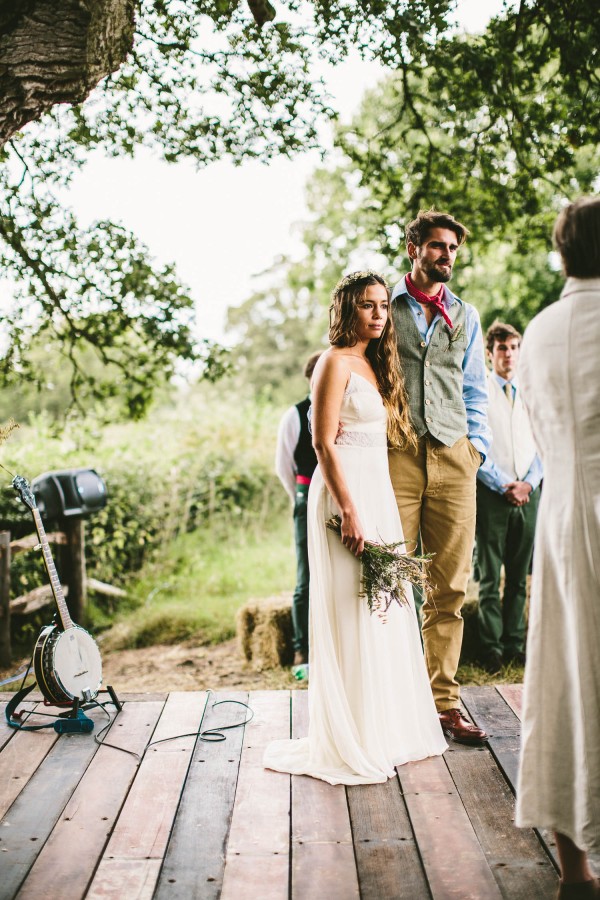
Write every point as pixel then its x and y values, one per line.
pixel 457 728
pixel 300 658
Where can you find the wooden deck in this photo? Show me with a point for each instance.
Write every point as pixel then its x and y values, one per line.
pixel 191 819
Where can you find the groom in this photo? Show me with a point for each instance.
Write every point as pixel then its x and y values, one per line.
pixel 442 354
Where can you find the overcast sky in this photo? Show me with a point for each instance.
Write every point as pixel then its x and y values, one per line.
pixel 223 225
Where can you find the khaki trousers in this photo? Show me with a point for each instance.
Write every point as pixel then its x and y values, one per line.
pixel 435 493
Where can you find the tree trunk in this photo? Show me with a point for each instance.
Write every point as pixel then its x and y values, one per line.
pixel 75 576
pixel 56 51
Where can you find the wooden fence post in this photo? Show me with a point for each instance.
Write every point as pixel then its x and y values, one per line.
pixel 5 648
pixel 76 578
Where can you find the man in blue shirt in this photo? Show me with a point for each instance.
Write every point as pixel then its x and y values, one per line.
pixel 507 502
pixel 442 356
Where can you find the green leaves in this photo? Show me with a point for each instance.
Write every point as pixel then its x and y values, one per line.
pixel 96 297
pixel 498 127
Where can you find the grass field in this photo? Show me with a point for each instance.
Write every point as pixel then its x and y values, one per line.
pixel 191 583
pixel 196 585
pixel 194 588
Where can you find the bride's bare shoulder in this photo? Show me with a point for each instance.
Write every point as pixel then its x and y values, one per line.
pixel 331 367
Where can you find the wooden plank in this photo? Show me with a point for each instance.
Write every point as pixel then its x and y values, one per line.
pixel 32 540
pixel 101 587
pixel 454 862
pixel 323 863
pixel 35 599
pixel 89 816
pixel 195 858
pixel 387 857
pixel 491 707
pixel 128 879
pixel 33 815
pixel 491 712
pixel 518 861
pixel 143 827
pixel 20 758
pixel 257 861
pixel 35 696
pixel 5 642
pixel 6 732
pixel 139 696
pixel 513 695
pixel 103 696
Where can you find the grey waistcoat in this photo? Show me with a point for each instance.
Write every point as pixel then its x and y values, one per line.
pixel 433 374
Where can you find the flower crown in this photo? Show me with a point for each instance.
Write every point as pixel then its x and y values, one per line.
pixel 353 278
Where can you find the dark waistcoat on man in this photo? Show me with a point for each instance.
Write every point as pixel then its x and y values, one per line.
pixel 304 454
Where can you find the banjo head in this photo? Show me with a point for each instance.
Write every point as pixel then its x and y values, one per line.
pixel 77 663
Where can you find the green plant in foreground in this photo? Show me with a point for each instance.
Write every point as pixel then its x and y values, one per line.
pixel 185 468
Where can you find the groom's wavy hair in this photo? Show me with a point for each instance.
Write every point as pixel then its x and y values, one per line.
pixel 382 352
pixel 417 231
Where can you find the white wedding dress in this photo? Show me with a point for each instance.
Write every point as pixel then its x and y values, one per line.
pixel 370 703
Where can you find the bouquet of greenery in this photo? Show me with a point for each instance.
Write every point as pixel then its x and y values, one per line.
pixel 385 572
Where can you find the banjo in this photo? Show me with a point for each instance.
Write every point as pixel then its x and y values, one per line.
pixel 66 659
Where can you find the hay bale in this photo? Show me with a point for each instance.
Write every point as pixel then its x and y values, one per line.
pixel 244 626
pixel 264 631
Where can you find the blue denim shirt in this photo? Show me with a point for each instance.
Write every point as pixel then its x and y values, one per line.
pixel 475 394
pixel 492 475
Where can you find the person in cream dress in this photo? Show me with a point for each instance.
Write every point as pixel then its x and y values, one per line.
pixel 559 779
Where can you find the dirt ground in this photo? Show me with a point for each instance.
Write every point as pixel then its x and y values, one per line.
pixel 182 667
pixel 189 667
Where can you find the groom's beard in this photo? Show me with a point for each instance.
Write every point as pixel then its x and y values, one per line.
pixel 438 273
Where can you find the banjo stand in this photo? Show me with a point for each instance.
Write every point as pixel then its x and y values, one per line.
pixel 66 659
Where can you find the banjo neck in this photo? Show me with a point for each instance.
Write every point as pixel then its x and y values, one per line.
pixel 67 663
pixel 61 603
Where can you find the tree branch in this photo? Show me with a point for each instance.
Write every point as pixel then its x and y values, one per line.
pixel 56 51
pixel 262 11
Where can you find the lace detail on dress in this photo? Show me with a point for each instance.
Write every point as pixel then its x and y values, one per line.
pixel 353 388
pixel 362 439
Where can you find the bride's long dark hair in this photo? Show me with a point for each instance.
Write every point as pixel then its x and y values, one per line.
pixel 382 352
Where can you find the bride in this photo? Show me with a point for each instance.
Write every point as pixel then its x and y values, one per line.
pixel 370 704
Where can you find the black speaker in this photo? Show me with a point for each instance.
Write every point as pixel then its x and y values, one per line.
pixel 74 492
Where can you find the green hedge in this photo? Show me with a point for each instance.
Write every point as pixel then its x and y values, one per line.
pixel 173 473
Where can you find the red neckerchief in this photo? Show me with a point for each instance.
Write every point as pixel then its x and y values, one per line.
pixel 435 301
